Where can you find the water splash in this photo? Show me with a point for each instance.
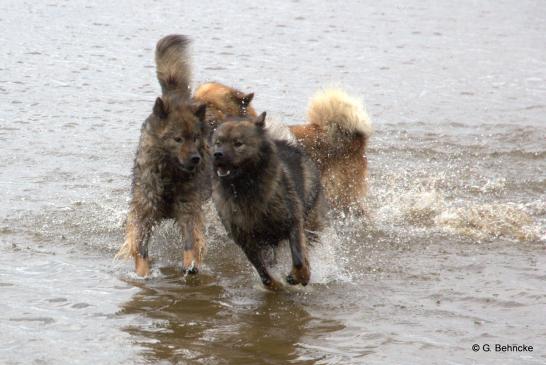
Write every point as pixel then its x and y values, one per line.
pixel 486 221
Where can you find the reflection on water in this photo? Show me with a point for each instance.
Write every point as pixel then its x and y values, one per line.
pixel 195 319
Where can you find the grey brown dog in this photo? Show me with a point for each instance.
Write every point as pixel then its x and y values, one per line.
pixel 266 191
pixel 171 173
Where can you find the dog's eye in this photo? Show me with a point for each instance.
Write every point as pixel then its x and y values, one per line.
pixel 178 139
pixel 237 144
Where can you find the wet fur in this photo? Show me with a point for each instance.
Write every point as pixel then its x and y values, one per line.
pixel 273 194
pixel 167 182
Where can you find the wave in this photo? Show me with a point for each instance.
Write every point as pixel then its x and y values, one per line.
pixel 488 221
pixel 430 209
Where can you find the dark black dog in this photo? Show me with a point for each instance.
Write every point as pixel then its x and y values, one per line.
pixel 266 191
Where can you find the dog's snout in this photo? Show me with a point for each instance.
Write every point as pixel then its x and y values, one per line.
pixel 195 159
pixel 218 154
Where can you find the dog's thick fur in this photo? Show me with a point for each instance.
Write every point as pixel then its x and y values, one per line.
pixel 171 173
pixel 266 191
pixel 335 137
pixel 223 102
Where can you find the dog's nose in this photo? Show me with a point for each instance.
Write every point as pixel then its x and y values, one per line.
pixel 195 159
pixel 218 154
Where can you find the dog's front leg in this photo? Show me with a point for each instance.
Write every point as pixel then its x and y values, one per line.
pixel 300 273
pixel 192 229
pixel 136 239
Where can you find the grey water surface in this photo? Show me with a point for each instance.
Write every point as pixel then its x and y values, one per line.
pixel 453 253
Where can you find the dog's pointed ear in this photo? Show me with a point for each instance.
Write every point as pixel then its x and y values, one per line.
pixel 200 111
pixel 260 120
pixel 245 100
pixel 160 109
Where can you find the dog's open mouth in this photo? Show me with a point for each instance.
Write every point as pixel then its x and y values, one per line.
pixel 222 171
pixel 187 168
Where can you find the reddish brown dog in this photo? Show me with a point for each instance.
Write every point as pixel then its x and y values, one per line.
pixel 335 137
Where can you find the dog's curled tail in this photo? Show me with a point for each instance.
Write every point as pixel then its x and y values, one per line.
pixel 173 65
pixel 341 116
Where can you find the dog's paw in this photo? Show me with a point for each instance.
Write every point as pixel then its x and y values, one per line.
pixel 193 270
pixel 299 276
pixel 190 265
pixel 290 279
pixel 272 284
pixel 142 266
pixel 190 269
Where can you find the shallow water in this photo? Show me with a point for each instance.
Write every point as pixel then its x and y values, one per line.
pixel 453 254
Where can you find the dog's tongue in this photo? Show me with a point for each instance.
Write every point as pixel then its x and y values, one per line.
pixel 222 171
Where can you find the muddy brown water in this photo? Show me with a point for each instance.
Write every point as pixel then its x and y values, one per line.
pixel 454 252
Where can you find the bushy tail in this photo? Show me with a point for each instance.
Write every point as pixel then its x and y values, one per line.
pixel 173 65
pixel 340 115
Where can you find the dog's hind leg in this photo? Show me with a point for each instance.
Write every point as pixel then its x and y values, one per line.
pixel 255 256
pixel 300 273
pixel 192 228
